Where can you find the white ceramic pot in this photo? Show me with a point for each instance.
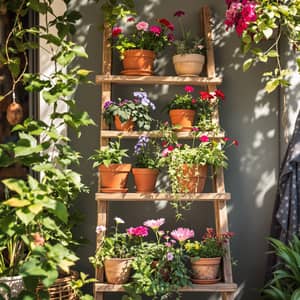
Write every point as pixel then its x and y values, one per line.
pixel 188 64
pixel 15 283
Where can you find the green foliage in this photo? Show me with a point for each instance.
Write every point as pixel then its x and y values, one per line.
pixel 278 22
pixel 285 284
pixel 113 154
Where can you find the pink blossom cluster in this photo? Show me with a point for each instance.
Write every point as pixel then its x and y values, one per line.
pixel 240 14
pixel 154 224
pixel 182 234
pixel 140 231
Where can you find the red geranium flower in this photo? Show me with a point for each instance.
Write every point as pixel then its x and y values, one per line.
pixel 206 96
pixel 188 89
pixel 219 94
pixel 226 139
pixel 171 148
pixel 179 13
pixel 131 19
pixel 235 142
pixel 204 139
pixel 166 23
pixel 194 101
pixel 116 31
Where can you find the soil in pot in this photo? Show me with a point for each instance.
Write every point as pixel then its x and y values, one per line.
pixel 193 179
pixel 117 270
pixel 205 269
pixel 114 176
pixel 182 118
pixel 145 179
pixel 188 64
pixel 138 62
pixel 125 126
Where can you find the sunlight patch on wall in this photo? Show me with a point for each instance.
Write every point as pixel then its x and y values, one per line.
pixel 265 184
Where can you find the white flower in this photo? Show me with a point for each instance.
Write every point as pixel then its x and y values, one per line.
pixel 100 228
pixel 119 220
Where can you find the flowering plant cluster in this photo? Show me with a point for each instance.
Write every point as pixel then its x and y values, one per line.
pixel 187 44
pixel 211 245
pixel 143 36
pixel 147 153
pixel 136 109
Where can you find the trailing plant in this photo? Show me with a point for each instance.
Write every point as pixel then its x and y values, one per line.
pixel 285 284
pixel 113 154
pixel 188 44
pixel 136 109
pixel 37 213
pixel 268 20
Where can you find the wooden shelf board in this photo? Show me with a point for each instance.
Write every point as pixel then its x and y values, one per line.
pixel 154 134
pixel 161 196
pixel 170 80
pixel 218 287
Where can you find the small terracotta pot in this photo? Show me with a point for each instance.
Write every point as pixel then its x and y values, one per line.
pixel 205 268
pixel 145 179
pixel 114 176
pixel 183 118
pixel 117 270
pixel 125 126
pixel 188 64
pixel 193 180
pixel 138 62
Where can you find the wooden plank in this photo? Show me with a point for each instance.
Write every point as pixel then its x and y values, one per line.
pixel 218 288
pixel 161 196
pixel 156 134
pixel 169 80
pixel 227 296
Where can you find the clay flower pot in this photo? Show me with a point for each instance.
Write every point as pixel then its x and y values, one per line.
pixel 183 118
pixel 145 179
pixel 125 126
pixel 188 64
pixel 193 180
pixel 114 177
pixel 138 62
pixel 117 270
pixel 205 270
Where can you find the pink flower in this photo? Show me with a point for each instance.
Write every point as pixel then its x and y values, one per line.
pixel 232 13
pixel 188 89
pixel 168 244
pixel 170 256
pixel 204 139
pixel 100 228
pixel 156 30
pixel 167 23
pixel 139 231
pixel 154 224
pixel 160 232
pixel 196 129
pixel 226 139
pixel 248 12
pixel 182 234
pixel 219 94
pixel 142 26
pixel 116 31
pixel 241 27
pixel 179 13
pixel 194 101
pixel 38 239
pixel 171 37
pixel 171 148
pixel 235 142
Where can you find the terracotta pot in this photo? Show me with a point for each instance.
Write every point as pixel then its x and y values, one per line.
pixel 193 180
pixel 15 283
pixel 145 179
pixel 205 268
pixel 138 62
pixel 125 126
pixel 117 270
pixel 115 176
pixel 183 118
pixel 188 64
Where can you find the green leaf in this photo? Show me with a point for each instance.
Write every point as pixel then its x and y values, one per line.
pixel 15 185
pixel 247 64
pixel 83 72
pixel 36 208
pixel 80 51
pixel 273 53
pixel 268 32
pixel 15 202
pixel 272 85
pixel 25 216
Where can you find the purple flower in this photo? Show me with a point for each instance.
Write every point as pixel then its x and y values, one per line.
pixel 107 104
pixel 142 143
pixel 142 96
pixel 170 256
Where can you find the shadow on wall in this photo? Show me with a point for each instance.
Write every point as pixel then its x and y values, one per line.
pixel 247 115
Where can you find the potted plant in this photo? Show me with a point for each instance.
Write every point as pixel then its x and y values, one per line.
pixel 189 58
pixel 125 113
pixel 182 110
pixel 145 172
pixel 115 254
pixel 159 268
pixel 206 255
pixel 113 173
pixel 139 46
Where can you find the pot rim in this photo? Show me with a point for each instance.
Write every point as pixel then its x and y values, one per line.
pixel 15 277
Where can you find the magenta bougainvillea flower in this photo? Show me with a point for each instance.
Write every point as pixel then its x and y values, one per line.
pixel 140 231
pixel 142 26
pixel 189 89
pixel 182 234
pixel 154 224
pixel 204 139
